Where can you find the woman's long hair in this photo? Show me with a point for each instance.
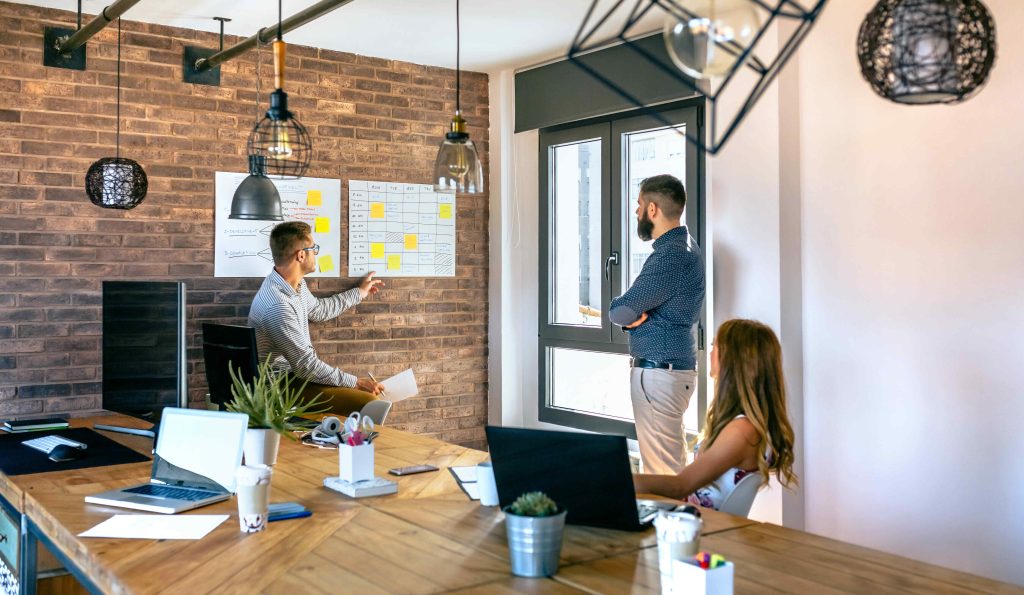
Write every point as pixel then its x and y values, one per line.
pixel 750 383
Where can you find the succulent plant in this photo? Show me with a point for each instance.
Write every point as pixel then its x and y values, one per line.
pixel 534 504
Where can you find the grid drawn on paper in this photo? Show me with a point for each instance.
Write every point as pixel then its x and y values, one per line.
pixel 400 230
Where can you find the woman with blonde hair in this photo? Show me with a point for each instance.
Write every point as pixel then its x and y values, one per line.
pixel 747 429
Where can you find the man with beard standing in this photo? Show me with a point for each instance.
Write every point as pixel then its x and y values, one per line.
pixel 659 312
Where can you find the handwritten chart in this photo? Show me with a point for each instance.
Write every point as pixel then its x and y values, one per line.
pixel 400 230
pixel 242 247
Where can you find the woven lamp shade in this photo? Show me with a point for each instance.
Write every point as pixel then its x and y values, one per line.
pixel 116 183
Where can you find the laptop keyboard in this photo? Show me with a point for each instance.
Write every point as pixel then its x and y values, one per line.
pixel 188 494
pixel 646 512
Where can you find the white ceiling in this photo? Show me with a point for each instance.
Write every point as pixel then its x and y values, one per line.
pixel 496 34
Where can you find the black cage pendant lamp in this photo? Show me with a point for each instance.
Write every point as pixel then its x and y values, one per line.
pixel 257 198
pixel 116 182
pixel 927 51
pixel 279 138
pixel 457 166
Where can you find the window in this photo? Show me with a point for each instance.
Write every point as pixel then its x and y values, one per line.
pixel 590 176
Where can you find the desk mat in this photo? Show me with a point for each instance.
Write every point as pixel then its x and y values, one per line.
pixel 18 459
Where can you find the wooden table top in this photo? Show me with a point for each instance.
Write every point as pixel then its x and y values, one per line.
pixel 773 558
pixel 427 538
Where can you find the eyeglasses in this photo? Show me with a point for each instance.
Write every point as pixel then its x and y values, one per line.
pixel 315 249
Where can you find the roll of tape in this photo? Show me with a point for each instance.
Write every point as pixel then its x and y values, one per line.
pixel 330 426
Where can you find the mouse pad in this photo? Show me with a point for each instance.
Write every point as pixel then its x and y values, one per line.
pixel 18 459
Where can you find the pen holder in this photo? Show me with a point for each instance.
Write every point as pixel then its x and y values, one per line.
pixel 687 577
pixel 355 463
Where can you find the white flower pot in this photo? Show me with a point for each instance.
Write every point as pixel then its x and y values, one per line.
pixel 261 446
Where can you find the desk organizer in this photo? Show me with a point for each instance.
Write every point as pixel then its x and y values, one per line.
pixel 355 463
pixel 691 579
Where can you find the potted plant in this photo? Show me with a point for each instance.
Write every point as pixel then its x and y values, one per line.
pixel 271 401
pixel 534 524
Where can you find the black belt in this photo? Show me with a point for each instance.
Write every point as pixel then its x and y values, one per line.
pixel 639 362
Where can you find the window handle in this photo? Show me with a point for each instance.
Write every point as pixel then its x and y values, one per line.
pixel 608 262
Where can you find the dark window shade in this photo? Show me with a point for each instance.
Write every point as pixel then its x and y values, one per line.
pixel 563 92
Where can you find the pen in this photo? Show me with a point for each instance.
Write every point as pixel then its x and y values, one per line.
pixel 375 382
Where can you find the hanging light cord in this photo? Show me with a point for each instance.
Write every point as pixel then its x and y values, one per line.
pixel 458 66
pixel 117 145
pixel 259 67
pixel 279 20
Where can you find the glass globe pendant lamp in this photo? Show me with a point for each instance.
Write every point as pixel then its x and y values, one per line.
pixel 458 166
pixel 707 37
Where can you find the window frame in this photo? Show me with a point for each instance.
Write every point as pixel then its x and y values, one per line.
pixel 616 210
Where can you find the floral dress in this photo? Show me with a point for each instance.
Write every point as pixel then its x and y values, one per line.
pixel 713 494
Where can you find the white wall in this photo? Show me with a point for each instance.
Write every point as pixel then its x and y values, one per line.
pixel 913 307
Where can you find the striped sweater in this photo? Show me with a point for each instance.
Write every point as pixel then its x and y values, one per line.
pixel 281 318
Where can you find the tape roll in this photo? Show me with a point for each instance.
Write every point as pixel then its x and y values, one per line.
pixel 330 426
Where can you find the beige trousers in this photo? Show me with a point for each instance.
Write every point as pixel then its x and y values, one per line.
pixel 659 399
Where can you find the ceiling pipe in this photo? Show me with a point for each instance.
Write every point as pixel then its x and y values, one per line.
pixel 268 33
pixel 66 45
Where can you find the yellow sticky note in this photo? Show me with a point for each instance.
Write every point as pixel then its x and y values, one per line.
pixel 376 210
pixel 323 225
pixel 314 198
pixel 376 250
pixel 326 263
pixel 444 211
pixel 410 241
pixel 394 262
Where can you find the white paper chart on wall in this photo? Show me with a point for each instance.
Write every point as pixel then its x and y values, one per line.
pixel 242 247
pixel 400 230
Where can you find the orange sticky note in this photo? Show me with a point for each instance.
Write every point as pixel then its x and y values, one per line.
pixel 326 263
pixel 394 262
pixel 314 198
pixel 376 250
pixel 323 225
pixel 444 211
pixel 376 210
pixel 410 241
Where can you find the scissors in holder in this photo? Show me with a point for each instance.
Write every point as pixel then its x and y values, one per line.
pixel 357 428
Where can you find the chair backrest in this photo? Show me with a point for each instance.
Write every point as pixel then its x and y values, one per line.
pixel 376 410
pixel 739 501
pixel 224 343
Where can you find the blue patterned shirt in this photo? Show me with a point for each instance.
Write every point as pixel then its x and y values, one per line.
pixel 670 289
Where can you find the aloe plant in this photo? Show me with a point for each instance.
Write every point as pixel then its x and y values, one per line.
pixel 534 504
pixel 271 400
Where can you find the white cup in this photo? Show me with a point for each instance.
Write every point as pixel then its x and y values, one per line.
pixel 253 486
pixel 678 539
pixel 485 484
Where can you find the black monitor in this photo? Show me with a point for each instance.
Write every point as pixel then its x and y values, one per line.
pixel 144 349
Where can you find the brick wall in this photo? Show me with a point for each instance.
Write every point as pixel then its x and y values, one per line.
pixel 369 118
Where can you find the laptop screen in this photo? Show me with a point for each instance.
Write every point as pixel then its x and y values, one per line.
pixel 588 474
pixel 205 443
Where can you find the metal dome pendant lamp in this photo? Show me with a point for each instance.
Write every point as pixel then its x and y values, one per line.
pixel 920 52
pixel 457 166
pixel 280 138
pixel 116 182
pixel 257 198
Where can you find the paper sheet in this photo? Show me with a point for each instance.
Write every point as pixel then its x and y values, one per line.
pixel 472 490
pixel 400 386
pixel 464 474
pixel 156 526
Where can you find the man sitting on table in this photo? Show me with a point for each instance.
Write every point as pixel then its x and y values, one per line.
pixel 281 312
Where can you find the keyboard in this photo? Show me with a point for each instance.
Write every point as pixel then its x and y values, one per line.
pixel 646 512
pixel 48 443
pixel 187 494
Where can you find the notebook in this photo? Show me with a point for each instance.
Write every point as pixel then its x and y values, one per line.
pixel 197 455
pixel 588 474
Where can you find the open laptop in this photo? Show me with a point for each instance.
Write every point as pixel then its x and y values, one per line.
pixel 197 455
pixel 588 474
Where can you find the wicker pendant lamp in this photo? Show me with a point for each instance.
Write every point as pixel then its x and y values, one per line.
pixel 116 182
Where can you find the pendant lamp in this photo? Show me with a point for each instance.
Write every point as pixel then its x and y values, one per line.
pixel 116 182
pixel 256 198
pixel 457 166
pixel 927 51
pixel 279 138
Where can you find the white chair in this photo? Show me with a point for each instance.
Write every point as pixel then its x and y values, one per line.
pixel 376 410
pixel 742 497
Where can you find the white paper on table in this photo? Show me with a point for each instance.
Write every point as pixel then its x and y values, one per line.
pixel 465 474
pixel 472 490
pixel 156 526
pixel 400 386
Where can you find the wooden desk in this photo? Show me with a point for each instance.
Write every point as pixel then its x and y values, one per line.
pixel 773 558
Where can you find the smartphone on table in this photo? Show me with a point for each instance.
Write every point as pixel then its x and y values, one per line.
pixel 412 470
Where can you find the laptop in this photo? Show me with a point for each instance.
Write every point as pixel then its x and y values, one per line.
pixel 197 455
pixel 588 474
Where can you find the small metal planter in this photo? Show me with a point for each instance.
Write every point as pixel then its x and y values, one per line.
pixel 534 543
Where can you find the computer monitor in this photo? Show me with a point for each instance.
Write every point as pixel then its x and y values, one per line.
pixel 144 350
